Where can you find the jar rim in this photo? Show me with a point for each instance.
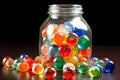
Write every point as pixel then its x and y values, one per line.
pixel 69 6
pixel 65 5
pixel 65 8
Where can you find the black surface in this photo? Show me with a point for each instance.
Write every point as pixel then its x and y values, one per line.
pixel 21 20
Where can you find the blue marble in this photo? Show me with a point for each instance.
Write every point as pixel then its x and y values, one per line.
pixel 69 26
pixel 79 32
pixel 94 59
pixel 109 67
pixel 22 56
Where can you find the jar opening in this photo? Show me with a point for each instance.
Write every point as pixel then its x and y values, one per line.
pixel 65 8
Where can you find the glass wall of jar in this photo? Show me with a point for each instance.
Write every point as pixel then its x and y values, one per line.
pixel 65 36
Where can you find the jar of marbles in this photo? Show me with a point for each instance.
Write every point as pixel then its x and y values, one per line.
pixel 64 36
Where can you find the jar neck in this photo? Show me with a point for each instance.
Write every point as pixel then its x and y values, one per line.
pixel 65 10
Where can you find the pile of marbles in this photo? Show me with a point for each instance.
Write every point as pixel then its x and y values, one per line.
pixel 66 42
pixel 93 67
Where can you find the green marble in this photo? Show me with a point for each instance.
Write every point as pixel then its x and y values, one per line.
pixel 58 62
pixel 100 62
pixel 83 42
pixel 82 67
pixel 15 63
pixel 94 71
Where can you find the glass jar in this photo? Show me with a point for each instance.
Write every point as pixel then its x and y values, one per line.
pixel 65 36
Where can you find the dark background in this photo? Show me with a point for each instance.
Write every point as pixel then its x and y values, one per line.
pixel 20 20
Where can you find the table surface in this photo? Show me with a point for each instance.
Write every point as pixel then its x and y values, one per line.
pixel 16 49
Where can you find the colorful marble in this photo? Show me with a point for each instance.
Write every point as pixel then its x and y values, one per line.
pixel 82 59
pixel 72 39
pixel 7 62
pixel 82 67
pixel 68 64
pixel 56 36
pixel 37 59
pixel 50 72
pixel 69 25
pixel 44 32
pixel 58 62
pixel 72 59
pixel 83 42
pixel 109 66
pixel 68 72
pixel 56 28
pixel 5 59
pixel 64 50
pixel 46 40
pixel 22 56
pixel 37 68
pixel 49 61
pixel 100 62
pixel 85 52
pixel 74 51
pixel 29 60
pixel 93 59
pixel 23 66
pixel 53 50
pixel 15 63
pixel 105 60
pixel 99 66
pixel 44 49
pixel 94 72
pixel 79 32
